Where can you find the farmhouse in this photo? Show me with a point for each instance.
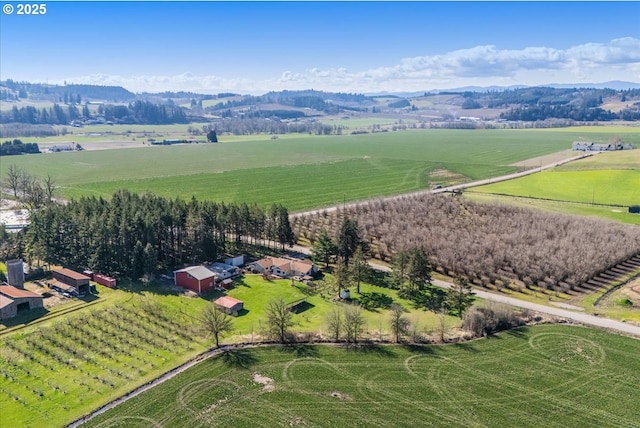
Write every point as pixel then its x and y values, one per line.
pixel 229 305
pixel 284 266
pixel 195 278
pixel 70 280
pixel 16 300
pixel 588 146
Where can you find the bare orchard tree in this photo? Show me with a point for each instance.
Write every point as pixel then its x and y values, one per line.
pixel 215 322
pixel 399 324
pixel 278 319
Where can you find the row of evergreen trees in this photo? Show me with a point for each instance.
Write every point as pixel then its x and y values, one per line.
pixel 17 147
pixel 133 235
pixel 139 112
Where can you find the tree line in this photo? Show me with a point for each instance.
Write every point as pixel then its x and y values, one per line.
pixel 249 126
pixel 17 147
pixel 138 112
pixel 133 235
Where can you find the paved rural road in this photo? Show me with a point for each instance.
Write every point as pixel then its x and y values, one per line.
pixel 450 188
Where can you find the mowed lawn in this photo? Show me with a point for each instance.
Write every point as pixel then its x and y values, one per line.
pixel 299 171
pixel 539 376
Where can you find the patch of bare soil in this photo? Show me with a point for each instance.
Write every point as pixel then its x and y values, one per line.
pixel 51 298
pixel 546 159
pixel 449 178
pixel 266 381
pixel 340 395
pixel 297 421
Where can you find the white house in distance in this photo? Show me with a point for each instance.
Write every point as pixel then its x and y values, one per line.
pixel 588 146
pixel 284 266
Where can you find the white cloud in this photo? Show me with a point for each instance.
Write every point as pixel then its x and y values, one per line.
pixel 618 59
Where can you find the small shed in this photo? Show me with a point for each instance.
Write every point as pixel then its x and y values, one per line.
pixel 229 305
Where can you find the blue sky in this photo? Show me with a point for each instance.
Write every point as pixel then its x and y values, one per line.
pixel 254 47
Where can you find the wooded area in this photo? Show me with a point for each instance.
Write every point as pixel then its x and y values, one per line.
pixel 134 235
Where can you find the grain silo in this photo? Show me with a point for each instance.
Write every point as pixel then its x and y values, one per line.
pixel 15 273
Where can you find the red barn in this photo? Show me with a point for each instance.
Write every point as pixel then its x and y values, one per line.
pixel 195 278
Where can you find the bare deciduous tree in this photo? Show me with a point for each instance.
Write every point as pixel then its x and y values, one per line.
pixel 215 322
pixel 353 323
pixel 278 319
pixel 399 324
pixel 335 322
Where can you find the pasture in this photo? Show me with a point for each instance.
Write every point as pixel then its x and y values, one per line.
pixel 299 171
pixel 530 377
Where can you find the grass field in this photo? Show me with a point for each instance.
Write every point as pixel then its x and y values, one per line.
pixel 538 376
pixel 299 171
pixel 607 187
pixel 610 179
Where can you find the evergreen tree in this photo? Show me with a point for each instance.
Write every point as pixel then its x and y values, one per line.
pixel 324 249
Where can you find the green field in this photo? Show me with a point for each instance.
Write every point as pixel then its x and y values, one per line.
pixel 603 185
pixel 539 376
pixel 299 171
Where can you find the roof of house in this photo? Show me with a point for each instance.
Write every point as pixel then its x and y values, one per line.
pixel 71 273
pixel 16 293
pixel 221 267
pixel 227 301
pixel 198 272
pixel 5 301
pixel 285 264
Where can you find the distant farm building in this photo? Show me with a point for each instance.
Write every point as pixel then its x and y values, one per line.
pixel 71 281
pixel 16 300
pixel 229 305
pixel 588 146
pixel 195 278
pixel 284 267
